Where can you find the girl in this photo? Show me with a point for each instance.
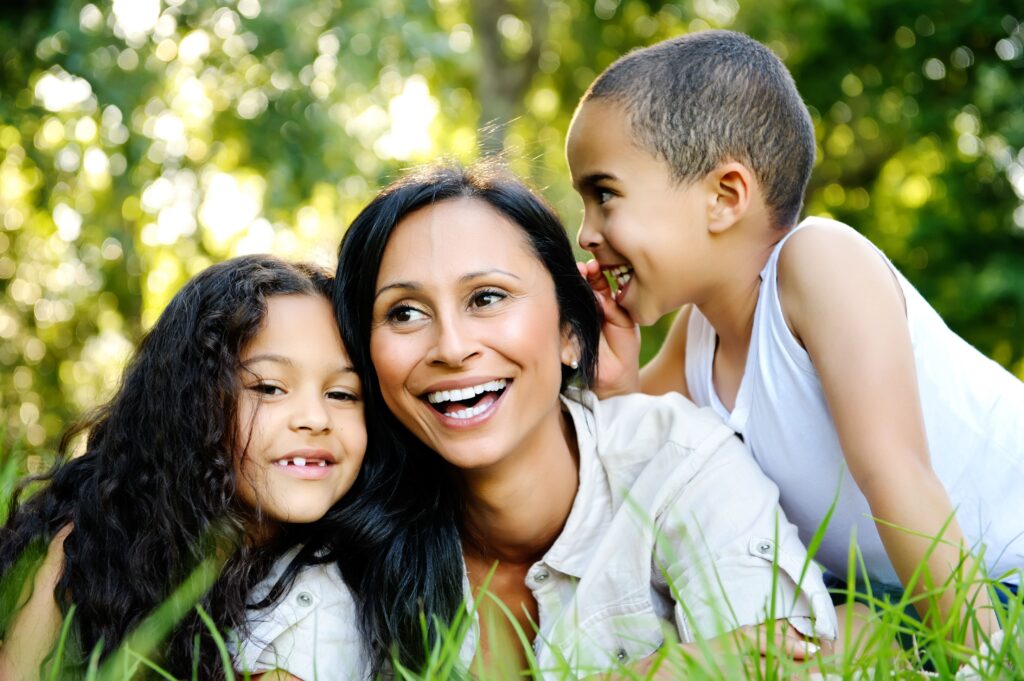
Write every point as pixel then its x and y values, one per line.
pixel 238 423
pixel 603 523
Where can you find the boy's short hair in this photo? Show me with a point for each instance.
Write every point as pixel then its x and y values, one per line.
pixel 703 98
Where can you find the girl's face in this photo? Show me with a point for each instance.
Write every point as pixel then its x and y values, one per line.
pixel 466 338
pixel 300 413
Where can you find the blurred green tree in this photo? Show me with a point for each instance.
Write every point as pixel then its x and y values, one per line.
pixel 141 140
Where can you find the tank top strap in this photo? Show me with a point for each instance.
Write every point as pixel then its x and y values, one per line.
pixel 772 341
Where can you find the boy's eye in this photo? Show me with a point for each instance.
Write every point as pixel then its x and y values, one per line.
pixel 485 298
pixel 401 314
pixel 604 196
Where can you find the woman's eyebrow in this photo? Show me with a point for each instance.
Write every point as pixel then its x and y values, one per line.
pixel 403 285
pixel 415 286
pixel 484 273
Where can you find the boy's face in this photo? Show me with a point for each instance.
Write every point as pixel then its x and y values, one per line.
pixel 644 228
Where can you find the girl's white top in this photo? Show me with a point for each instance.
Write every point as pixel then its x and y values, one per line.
pixel 973 413
pixel 675 533
pixel 311 632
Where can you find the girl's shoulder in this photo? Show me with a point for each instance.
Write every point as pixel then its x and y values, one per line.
pixel 33 630
pixel 310 631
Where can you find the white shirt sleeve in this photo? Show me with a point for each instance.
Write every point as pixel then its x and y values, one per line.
pixel 312 632
pixel 729 556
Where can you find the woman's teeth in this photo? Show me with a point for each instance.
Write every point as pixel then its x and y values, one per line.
pixel 470 412
pixel 300 461
pixel 459 394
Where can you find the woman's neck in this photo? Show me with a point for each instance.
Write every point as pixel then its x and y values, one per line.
pixel 514 511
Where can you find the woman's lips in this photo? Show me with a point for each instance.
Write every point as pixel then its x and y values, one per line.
pixel 453 414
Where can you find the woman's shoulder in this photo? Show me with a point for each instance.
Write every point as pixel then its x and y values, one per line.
pixel 638 439
pixel 625 421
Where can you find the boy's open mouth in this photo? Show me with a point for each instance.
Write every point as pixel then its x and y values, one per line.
pixel 464 403
pixel 619 277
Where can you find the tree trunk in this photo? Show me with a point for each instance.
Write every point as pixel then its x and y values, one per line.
pixel 502 83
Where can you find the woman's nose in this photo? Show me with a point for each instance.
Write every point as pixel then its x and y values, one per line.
pixel 454 343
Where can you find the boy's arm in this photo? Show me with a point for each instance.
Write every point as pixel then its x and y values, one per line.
pixel 618 366
pixel 618 363
pixel 844 304
pixel 666 372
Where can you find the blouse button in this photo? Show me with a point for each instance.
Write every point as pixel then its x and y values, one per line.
pixel 764 547
pixel 305 599
pixel 541 576
pixel 621 655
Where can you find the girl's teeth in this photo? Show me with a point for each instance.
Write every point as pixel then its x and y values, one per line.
pixel 301 461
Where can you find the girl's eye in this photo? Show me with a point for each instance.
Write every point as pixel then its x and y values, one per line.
pixel 402 314
pixel 604 196
pixel 485 298
pixel 267 389
pixel 343 395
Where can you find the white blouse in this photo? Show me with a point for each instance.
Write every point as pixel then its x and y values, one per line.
pixel 674 525
pixel 311 632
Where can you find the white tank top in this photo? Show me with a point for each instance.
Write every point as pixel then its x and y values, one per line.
pixel 973 413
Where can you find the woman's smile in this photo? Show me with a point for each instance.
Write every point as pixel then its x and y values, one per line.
pixel 467 402
pixel 467 341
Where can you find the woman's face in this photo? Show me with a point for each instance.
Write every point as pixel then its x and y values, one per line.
pixel 466 338
pixel 300 413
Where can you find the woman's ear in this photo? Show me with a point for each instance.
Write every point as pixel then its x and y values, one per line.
pixel 570 352
pixel 732 184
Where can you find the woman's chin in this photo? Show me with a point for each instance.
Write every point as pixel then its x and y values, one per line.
pixel 471 455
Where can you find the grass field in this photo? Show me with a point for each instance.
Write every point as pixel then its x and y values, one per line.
pixel 894 644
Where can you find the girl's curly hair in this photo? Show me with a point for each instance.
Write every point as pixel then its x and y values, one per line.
pixel 153 496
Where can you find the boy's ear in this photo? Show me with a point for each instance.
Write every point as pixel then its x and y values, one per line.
pixel 731 184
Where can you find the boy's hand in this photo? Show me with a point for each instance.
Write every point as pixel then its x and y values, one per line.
pixel 618 363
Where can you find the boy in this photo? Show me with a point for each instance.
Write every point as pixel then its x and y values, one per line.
pixel 692 157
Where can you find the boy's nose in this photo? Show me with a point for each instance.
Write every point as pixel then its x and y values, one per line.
pixel 588 237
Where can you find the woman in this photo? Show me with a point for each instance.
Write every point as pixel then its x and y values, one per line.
pixel 595 524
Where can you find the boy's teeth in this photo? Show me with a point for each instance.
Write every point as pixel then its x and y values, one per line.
pixel 459 394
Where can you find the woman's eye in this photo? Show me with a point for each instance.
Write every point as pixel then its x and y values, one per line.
pixel 485 298
pixel 266 389
pixel 404 313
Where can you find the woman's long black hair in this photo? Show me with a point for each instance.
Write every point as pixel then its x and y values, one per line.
pixel 421 566
pixel 154 493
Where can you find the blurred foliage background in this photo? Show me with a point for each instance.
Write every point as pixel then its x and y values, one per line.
pixel 141 140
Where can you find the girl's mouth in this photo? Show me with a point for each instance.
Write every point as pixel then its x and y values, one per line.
pixel 466 403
